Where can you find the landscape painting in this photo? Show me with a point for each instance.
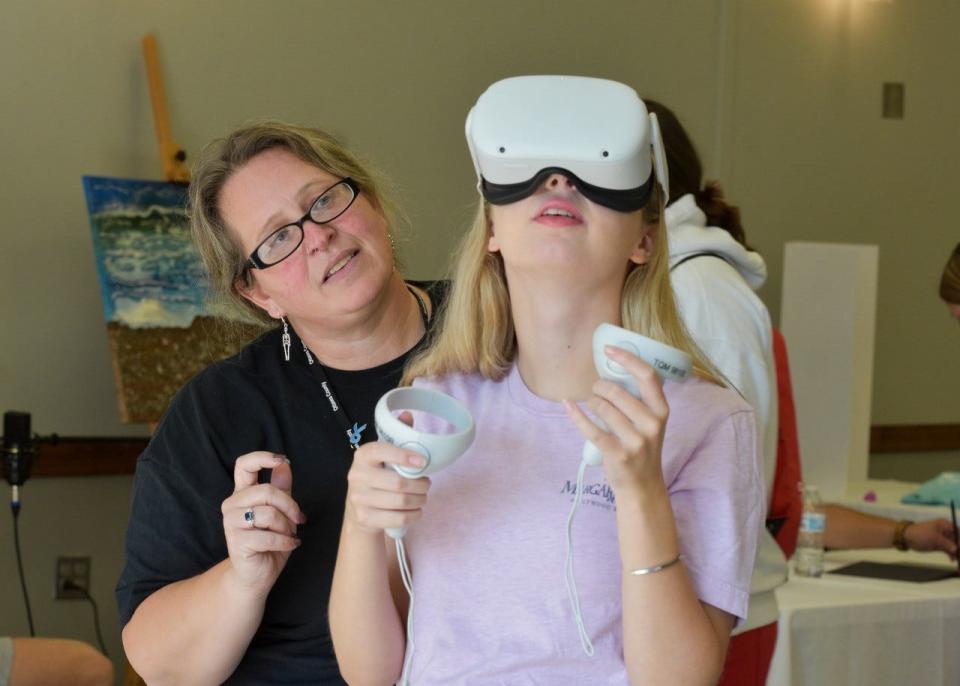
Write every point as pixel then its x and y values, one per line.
pixel 154 293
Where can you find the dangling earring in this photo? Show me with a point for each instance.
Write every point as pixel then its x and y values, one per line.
pixel 285 340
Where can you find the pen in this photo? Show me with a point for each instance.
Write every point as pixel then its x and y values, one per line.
pixel 956 536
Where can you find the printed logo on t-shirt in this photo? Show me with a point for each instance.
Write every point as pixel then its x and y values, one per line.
pixel 598 494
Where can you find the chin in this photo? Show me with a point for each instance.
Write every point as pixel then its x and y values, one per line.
pixel 555 254
pixel 363 290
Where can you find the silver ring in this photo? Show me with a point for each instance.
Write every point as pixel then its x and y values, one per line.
pixel 249 517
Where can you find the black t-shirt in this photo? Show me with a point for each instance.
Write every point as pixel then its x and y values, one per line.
pixel 254 401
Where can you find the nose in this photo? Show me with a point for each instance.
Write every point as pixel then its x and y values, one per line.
pixel 559 182
pixel 316 237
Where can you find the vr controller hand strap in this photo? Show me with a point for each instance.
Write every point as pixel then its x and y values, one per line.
pixel 407 579
pixel 668 363
pixel 439 451
pixel 568 575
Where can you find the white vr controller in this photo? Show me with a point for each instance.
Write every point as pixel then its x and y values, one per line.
pixel 438 450
pixel 667 362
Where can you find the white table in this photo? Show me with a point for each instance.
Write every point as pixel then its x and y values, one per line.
pixel 887 504
pixel 853 631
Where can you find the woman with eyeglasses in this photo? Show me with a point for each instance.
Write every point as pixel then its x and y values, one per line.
pixel 238 499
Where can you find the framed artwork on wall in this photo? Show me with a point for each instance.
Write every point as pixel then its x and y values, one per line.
pixel 154 292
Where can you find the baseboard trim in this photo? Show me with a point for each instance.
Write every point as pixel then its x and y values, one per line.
pixel 914 438
pixel 94 456
pixel 105 456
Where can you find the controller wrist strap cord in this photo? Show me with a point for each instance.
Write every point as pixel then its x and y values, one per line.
pixel 439 450
pixel 407 584
pixel 569 576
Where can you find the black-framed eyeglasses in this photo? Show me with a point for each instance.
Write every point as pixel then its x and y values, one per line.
pixel 283 242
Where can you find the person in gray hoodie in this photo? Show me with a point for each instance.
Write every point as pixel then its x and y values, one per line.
pixel 715 273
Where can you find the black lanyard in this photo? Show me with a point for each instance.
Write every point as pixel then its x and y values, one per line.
pixel 354 430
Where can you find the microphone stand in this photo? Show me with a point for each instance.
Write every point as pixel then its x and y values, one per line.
pixel 17 462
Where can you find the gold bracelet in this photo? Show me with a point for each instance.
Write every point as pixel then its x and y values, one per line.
pixel 900 534
pixel 657 568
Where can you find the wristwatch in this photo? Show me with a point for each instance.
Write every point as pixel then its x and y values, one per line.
pixel 899 534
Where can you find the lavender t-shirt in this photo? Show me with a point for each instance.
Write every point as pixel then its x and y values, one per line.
pixel 488 555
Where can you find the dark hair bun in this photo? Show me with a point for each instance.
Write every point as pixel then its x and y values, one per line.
pixel 719 212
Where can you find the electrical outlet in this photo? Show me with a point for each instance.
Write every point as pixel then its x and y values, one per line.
pixel 76 571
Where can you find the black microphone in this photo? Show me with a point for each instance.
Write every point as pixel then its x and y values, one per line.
pixel 17 452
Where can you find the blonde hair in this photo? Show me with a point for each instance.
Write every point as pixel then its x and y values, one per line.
pixel 219 247
pixel 950 280
pixel 475 331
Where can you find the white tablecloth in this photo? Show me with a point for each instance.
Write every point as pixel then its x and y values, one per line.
pixel 853 631
pixel 887 503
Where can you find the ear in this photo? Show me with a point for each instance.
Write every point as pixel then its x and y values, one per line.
pixel 255 294
pixel 642 251
pixel 493 245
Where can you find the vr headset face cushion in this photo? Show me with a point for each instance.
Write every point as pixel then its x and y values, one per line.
pixel 629 200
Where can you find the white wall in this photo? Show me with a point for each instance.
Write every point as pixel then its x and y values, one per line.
pixel 794 132
pixel 810 159
pixel 394 79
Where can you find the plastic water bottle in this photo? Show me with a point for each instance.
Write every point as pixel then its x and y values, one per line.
pixel 809 556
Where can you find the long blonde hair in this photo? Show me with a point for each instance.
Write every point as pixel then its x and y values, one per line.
pixel 475 331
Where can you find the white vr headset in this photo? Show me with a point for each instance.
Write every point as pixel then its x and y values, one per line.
pixel 595 131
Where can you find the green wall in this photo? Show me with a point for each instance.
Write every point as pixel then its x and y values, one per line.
pixel 783 99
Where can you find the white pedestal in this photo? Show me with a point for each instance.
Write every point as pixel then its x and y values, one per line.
pixel 827 316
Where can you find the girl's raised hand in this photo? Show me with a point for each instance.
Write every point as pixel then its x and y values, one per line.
pixel 633 437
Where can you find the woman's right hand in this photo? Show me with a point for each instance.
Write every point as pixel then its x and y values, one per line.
pixel 378 497
pixel 259 549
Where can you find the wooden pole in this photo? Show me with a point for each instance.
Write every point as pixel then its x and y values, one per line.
pixel 172 156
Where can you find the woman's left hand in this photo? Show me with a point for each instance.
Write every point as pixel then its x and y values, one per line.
pixel 633 439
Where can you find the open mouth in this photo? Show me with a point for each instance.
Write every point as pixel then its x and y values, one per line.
pixel 343 262
pixel 557 212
